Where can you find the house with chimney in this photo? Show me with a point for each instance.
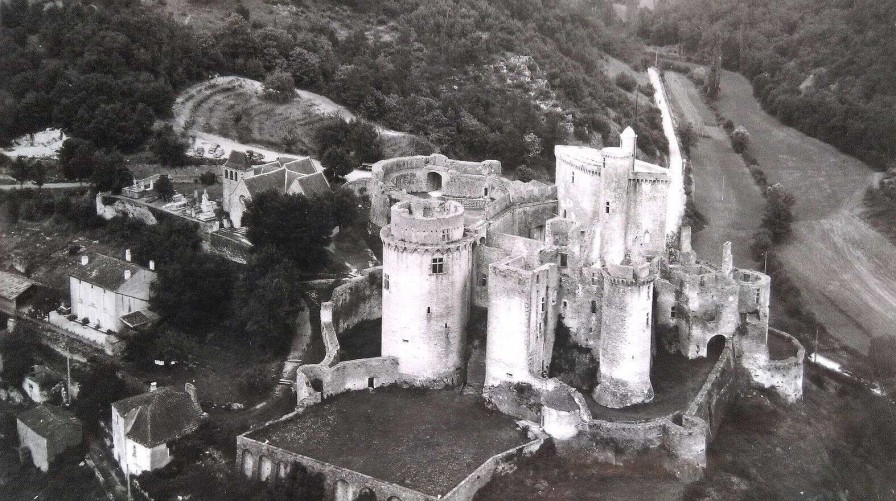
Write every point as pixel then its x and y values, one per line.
pixel 104 289
pixel 144 426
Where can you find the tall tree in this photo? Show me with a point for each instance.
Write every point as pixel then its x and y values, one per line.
pixel 194 291
pixel 76 158
pixel 164 188
pixel 169 147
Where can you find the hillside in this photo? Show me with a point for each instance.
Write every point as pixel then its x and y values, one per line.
pixel 824 67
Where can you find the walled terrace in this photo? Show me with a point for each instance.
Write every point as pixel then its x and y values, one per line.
pixel 407 443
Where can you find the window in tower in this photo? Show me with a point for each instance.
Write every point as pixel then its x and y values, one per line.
pixel 593 306
pixel 483 279
pixel 386 281
pixel 563 259
pixel 672 311
pixel 573 177
pixel 607 207
pixel 438 266
pixel 446 234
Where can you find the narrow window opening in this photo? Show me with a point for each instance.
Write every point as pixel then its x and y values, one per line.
pixel 672 311
pixel 757 296
pixel 446 234
pixel 573 177
pixel 607 207
pixel 485 191
pixel 564 213
pixel 593 306
pixel 428 310
pixel 563 259
pixel 371 382
pixel 438 266
pixel 483 279
pixel 385 281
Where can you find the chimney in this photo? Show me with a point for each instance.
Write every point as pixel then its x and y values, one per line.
pixel 127 274
pixel 153 386
pixel 152 265
pixel 84 260
pixel 127 255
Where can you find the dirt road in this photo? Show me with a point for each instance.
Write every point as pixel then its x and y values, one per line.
pixel 842 265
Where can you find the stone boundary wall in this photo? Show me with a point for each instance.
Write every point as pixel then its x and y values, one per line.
pixel 684 436
pixel 784 376
pixel 279 463
pixel 357 300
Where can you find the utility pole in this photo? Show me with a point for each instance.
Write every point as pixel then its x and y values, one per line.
pixel 68 383
pixel 815 355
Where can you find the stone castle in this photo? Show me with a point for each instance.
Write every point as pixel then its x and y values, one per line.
pixel 590 252
pixel 589 255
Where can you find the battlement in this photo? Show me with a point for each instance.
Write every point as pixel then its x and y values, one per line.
pixel 427 222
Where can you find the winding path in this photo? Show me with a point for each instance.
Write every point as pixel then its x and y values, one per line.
pixel 676 199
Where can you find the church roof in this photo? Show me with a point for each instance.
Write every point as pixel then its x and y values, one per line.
pixel 315 184
pixel 267 182
pixel 160 416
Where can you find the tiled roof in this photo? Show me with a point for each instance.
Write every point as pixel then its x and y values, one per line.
pixel 45 419
pixel 138 318
pixel 302 166
pixel 237 160
pixel 265 168
pixel 12 286
pixel 159 416
pixel 315 184
pixel 272 181
pixel 108 273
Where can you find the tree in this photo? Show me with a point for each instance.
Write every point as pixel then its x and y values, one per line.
pixel 164 188
pixel 99 389
pixel 18 348
pixel 76 158
pixel 778 215
pixel 295 226
pixel 688 137
pixel 38 174
pixel 19 170
pixel 337 163
pixel 279 87
pixel 740 139
pixel 162 243
pixel 268 299
pixel 193 291
pixel 44 301
pixel 169 147
pixel 109 172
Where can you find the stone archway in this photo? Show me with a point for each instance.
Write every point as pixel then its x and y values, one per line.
pixel 265 468
pixel 343 491
pixel 715 346
pixel 433 181
pixel 248 464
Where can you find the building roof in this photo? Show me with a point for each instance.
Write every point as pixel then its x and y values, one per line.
pixel 238 161
pixel 108 273
pixel 315 184
pixel 301 166
pixel 12 286
pixel 45 419
pixel 160 416
pixel 137 318
pixel 271 181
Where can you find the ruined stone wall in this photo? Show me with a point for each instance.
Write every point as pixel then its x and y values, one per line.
pixel 784 376
pixel 712 400
pixel 358 299
pixel 121 207
pixel 522 317
pixel 647 213
pixel 483 256
pixel 469 486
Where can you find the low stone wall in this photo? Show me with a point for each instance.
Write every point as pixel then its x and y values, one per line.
pixel 262 461
pixel 784 376
pixel 358 299
pixel 716 392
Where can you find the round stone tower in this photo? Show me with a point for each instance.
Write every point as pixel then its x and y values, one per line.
pixel 625 337
pixel 619 163
pixel 427 276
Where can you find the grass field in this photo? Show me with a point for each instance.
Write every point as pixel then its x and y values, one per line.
pixel 232 107
pixel 843 266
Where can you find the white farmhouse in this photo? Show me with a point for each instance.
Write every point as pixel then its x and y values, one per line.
pixel 103 289
pixel 144 425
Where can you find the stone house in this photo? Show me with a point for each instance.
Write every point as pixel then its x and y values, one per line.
pixel 144 425
pixel 47 431
pixel 103 289
pixel 242 181
pixel 42 384
pixel 14 290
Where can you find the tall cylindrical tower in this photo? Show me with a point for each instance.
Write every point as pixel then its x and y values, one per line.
pixel 427 276
pixel 614 206
pixel 625 337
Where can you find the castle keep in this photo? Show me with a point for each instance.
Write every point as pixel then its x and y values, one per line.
pixel 588 259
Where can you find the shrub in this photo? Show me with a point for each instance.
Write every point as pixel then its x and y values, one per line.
pixel 279 87
pixel 208 178
pixel 626 82
pixel 740 139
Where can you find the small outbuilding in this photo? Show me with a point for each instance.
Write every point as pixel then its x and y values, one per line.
pixel 47 431
pixel 144 425
pixel 14 290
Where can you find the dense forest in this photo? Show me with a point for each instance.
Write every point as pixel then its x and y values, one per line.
pixel 825 67
pixel 478 79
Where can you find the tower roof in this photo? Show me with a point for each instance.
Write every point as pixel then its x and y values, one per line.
pixel 628 132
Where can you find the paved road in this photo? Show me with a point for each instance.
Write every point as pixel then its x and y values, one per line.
pixel 48 186
pixel 675 202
